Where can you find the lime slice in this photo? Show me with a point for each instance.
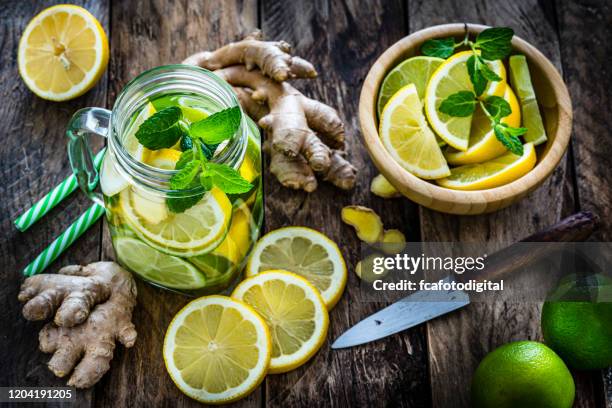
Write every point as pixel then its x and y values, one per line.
pixel 493 173
pixel 452 77
pixel 408 138
pixel 157 267
pixel 415 70
pixel 521 81
pixel 197 230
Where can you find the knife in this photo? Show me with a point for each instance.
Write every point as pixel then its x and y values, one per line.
pixel 415 309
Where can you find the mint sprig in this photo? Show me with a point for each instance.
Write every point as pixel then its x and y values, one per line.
pixel 491 44
pixel 463 103
pixel 198 142
pixel 162 129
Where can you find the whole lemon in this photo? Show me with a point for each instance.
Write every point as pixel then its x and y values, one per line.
pixel 522 374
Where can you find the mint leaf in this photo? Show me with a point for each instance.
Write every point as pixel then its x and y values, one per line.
pixel 227 179
pixel 495 43
pixel 206 181
pixel 186 143
pixel 217 127
pixel 161 130
pixel 186 157
pixel 497 107
pixel 180 204
pixel 509 140
pixel 461 103
pixel 185 176
pixel 475 73
pixel 441 48
pixel 487 72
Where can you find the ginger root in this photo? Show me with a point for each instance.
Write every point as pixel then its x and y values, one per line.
pixel 366 222
pixel 393 241
pixel 306 135
pixel 92 308
pixel 381 187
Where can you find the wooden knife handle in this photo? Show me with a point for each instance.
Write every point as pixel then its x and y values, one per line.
pixel 576 227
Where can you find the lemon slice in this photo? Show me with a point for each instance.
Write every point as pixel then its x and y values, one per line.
pixel 162 159
pixel 217 349
pixel 483 142
pixel 452 77
pixel 157 267
pixel 62 52
pixel 197 230
pixel 493 173
pixel 407 137
pixel 521 80
pixel 415 70
pixel 294 312
pixel 306 252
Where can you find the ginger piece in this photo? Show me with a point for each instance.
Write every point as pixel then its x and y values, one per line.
pixel 365 269
pixel 381 187
pixel 93 308
pixel 271 57
pixel 295 171
pixel 366 222
pixel 393 241
pixel 307 132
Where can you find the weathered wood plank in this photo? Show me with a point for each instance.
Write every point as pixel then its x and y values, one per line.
pixel 585 56
pixel 343 39
pixel 144 35
pixel 33 160
pixel 459 341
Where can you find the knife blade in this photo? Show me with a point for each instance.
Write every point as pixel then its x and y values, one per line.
pixel 421 307
pixel 408 312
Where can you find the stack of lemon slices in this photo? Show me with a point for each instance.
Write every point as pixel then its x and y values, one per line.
pixel 460 153
pixel 218 349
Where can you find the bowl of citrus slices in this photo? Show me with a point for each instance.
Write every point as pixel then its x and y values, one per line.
pixel 465 119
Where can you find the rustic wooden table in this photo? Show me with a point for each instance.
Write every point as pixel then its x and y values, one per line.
pixel 430 365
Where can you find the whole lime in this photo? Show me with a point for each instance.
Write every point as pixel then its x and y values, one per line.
pixel 580 332
pixel 522 374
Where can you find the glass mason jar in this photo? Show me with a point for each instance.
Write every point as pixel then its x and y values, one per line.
pixel 191 241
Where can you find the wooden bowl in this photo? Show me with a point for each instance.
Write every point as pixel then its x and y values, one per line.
pixel 555 105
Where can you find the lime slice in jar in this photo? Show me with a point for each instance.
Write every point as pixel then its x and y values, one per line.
pixel 197 230
pixel 157 267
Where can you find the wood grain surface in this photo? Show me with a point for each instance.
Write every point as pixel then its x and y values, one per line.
pixel 430 365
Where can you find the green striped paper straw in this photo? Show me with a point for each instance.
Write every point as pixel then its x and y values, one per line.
pixel 66 239
pixel 52 198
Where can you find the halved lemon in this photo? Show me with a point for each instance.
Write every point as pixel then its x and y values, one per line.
pixel 306 252
pixel 294 312
pixel 493 173
pixel 483 142
pixel 157 267
pixel 62 52
pixel 162 159
pixel 197 230
pixel 452 77
pixel 408 138
pixel 217 349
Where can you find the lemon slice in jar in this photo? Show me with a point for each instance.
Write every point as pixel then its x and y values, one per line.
pixel 217 349
pixel 196 230
pixel 62 52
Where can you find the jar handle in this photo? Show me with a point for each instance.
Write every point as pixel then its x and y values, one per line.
pixel 82 124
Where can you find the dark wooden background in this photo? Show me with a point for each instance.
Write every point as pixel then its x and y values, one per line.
pixel 430 365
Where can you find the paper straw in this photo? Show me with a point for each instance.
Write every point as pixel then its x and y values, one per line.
pixel 66 239
pixel 51 199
